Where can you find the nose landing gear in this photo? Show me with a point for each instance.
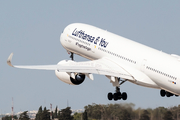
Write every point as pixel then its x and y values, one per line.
pixel 72 56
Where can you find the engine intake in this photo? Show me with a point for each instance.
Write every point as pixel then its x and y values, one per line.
pixel 79 78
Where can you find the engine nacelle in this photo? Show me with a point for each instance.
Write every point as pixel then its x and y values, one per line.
pixel 63 76
pixel 79 78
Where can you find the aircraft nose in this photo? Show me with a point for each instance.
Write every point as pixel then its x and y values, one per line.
pixel 62 40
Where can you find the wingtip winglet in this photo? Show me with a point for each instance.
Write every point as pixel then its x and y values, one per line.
pixel 9 60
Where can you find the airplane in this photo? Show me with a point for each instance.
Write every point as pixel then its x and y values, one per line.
pixel 116 57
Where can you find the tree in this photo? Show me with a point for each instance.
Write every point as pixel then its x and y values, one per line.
pixel 24 116
pixel 59 115
pixel 125 115
pixel 45 114
pixel 56 113
pixel 110 111
pixel 168 115
pixel 77 116
pixel 9 117
pixel 39 114
pixel 65 114
pixel 176 112
pixel 145 115
pixel 93 111
pixel 85 115
pixel 158 113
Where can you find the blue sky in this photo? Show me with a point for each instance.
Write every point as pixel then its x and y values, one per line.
pixel 31 30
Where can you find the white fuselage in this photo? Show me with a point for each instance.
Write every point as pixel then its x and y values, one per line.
pixel 94 43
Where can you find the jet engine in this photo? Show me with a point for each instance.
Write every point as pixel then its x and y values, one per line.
pixel 65 77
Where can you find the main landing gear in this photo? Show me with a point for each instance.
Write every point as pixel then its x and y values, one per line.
pixel 117 95
pixel 164 93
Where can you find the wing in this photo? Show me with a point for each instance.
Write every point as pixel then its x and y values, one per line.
pixel 104 66
pixel 40 67
pixel 101 66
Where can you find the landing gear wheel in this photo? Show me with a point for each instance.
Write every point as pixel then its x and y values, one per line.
pixel 124 95
pixel 162 93
pixel 115 96
pixel 110 96
pixel 119 95
pixel 168 94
